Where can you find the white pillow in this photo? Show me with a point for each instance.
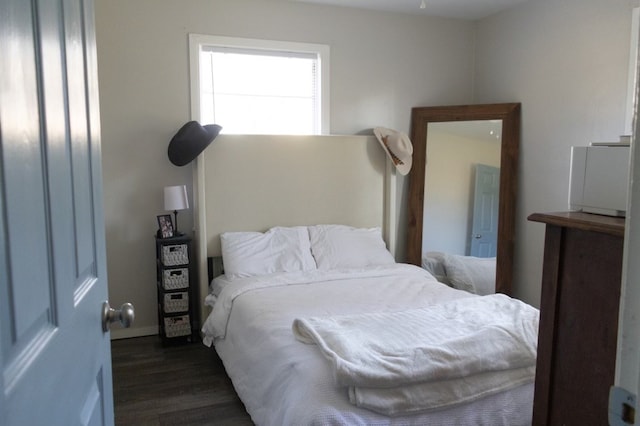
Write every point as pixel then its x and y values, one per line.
pixel 473 274
pixel 280 249
pixel 340 246
pixel 433 261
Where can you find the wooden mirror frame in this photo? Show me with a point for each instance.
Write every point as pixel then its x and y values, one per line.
pixel 509 113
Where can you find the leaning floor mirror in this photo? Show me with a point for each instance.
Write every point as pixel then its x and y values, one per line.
pixel 462 193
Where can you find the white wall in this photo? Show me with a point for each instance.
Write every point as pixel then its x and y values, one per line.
pixel 566 61
pixel 382 65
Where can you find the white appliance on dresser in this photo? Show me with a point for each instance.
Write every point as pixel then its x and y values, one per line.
pixel 599 178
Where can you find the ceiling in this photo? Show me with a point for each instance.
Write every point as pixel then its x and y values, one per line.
pixel 459 9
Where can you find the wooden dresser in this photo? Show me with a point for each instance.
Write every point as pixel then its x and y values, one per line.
pixel 578 317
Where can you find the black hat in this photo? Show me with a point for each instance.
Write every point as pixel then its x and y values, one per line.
pixel 190 141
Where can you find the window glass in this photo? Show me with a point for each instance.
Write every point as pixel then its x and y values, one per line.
pixel 255 90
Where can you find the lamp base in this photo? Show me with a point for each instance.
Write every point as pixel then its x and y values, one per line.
pixel 175 234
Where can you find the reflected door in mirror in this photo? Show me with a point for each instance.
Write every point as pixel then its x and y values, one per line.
pixel 461 188
pixel 484 231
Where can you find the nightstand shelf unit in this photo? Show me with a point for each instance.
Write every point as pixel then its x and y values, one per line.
pixel 175 284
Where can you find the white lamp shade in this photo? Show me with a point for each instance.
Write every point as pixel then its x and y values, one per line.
pixel 175 197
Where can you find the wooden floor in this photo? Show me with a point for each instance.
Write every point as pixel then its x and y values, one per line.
pixel 174 385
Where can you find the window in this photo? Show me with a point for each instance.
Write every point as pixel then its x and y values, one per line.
pixel 259 86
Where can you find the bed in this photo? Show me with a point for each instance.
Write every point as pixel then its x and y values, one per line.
pixel 269 324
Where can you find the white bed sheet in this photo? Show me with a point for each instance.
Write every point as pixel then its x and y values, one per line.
pixel 285 382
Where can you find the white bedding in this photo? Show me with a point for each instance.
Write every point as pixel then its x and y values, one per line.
pixel 435 351
pixel 285 382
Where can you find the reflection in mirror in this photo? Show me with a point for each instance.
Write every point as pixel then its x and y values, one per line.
pixel 462 194
pixel 460 216
pixel 461 186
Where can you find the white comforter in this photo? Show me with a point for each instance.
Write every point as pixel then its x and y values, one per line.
pixel 285 382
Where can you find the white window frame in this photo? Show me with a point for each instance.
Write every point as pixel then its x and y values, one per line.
pixel 199 41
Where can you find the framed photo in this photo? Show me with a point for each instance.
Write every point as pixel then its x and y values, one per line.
pixel 166 225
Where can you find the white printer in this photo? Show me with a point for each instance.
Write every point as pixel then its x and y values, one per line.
pixel 599 179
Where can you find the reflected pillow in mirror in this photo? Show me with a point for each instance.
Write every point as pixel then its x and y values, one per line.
pixel 433 262
pixel 279 249
pixel 473 274
pixel 341 246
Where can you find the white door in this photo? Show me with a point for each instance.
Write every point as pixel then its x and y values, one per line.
pixel 484 230
pixel 54 355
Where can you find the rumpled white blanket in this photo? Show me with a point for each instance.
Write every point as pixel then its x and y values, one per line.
pixel 215 327
pixel 447 354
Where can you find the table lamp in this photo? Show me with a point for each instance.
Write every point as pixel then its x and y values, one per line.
pixel 175 198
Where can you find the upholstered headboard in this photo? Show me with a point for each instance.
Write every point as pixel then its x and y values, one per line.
pixel 252 183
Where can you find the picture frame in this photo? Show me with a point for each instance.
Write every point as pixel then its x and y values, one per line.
pixel 165 225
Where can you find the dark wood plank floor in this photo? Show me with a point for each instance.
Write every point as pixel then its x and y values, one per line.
pixel 175 385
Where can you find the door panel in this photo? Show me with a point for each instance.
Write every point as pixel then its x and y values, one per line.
pixel 80 150
pixel 54 356
pixel 83 226
pixel 24 188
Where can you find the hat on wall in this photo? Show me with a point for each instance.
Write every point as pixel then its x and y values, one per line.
pixel 190 141
pixel 397 146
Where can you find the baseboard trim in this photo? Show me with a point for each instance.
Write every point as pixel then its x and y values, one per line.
pixel 125 333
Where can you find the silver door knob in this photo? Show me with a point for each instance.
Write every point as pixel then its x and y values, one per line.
pixel 125 315
pixel 477 236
